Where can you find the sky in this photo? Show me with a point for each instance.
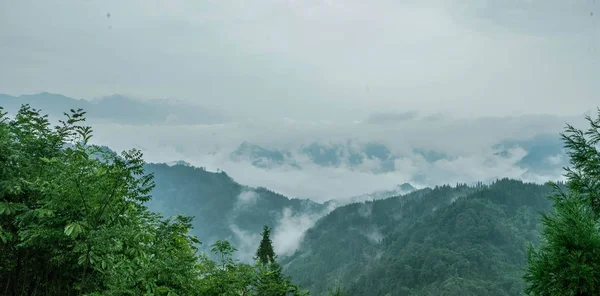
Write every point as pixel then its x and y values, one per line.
pixel 313 59
pixel 452 76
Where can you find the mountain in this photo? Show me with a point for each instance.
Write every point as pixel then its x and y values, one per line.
pixel 116 109
pixel 179 162
pixel 544 152
pixel 226 210
pixel 352 154
pixel 543 155
pixel 261 157
pixel 463 240
pixel 399 190
pixel 375 157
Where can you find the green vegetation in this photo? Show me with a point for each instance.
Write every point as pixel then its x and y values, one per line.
pixel 466 240
pixel 568 260
pixel 215 200
pixel 458 240
pixel 265 253
pixel 73 222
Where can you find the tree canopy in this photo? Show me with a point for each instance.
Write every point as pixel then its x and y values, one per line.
pixel 568 259
pixel 73 221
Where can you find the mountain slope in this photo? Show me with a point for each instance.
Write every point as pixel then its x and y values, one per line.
pixel 224 209
pixel 443 241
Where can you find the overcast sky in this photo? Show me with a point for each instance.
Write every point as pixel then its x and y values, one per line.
pixel 311 59
pixel 452 76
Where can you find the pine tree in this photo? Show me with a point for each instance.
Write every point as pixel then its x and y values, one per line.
pixel 270 279
pixel 567 261
pixel 265 253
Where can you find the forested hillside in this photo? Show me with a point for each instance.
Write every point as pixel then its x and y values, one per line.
pixel 221 207
pixel 457 240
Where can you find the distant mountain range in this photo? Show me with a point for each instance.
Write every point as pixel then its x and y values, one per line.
pixel 116 109
pixel 544 155
pixel 375 157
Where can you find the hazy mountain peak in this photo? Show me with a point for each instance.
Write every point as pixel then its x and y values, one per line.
pixel 407 187
pixel 179 162
pixel 259 156
pixel 116 108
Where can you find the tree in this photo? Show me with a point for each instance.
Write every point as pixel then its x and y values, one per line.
pixel 584 174
pixel 568 262
pixel 336 291
pixel 265 253
pixel 568 259
pixel 270 279
pixel 73 220
pixel 227 276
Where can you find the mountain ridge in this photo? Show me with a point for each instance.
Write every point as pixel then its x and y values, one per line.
pixel 116 109
pixel 421 243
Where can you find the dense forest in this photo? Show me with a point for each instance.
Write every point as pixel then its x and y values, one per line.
pixel 80 219
pixel 463 240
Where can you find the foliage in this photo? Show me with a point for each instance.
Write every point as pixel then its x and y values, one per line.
pixel 265 253
pixel 73 220
pixel 568 260
pixel 230 277
pixel 568 263
pixel 458 240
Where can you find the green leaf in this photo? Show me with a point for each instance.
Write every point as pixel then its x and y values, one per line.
pixel 9 208
pixel 73 229
pixel 4 236
pixel 41 213
pixel 82 259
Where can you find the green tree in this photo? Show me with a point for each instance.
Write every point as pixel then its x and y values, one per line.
pixel 73 220
pixel 568 259
pixel 568 262
pixel 270 279
pixel 265 253
pixel 226 276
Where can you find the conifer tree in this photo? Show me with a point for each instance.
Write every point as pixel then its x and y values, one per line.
pixel 265 253
pixel 568 260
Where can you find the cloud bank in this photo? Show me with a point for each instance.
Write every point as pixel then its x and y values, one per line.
pixel 469 150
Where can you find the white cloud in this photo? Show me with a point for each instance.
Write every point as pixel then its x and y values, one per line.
pixel 555 159
pixel 467 141
pixel 247 243
pixel 247 198
pixel 289 231
pixel 375 235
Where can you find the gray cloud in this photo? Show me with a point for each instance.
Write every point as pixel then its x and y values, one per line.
pixel 118 109
pixel 329 59
pixel 385 118
pixel 471 149
pixel 291 73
